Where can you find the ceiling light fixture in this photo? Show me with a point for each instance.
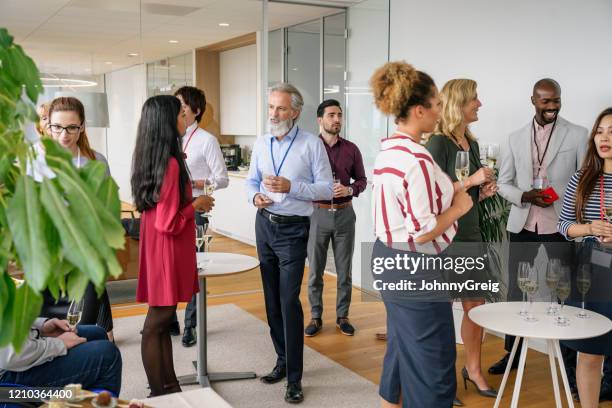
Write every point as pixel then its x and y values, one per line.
pixel 173 41
pixel 133 54
pixel 49 82
pixel 223 24
pixel 109 62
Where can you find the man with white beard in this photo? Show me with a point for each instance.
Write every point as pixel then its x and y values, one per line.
pixel 289 170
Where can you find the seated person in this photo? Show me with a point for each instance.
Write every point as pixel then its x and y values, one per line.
pixel 53 355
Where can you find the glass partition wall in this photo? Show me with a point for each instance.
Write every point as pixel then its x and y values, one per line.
pixel 312 57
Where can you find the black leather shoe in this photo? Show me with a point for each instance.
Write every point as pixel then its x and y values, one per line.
pixel 491 393
pixel 277 374
pixel 189 337
pixel 313 328
pixel 345 326
pixel 500 366
pixel 175 329
pixel 605 394
pixel 294 394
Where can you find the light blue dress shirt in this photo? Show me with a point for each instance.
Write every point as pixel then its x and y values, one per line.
pixel 306 165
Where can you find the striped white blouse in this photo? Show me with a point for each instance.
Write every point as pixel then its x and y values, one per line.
pixel 410 191
pixel 592 210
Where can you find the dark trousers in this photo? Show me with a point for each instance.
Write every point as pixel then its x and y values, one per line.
pixel 339 228
pixel 96 364
pixel 282 254
pixel 190 311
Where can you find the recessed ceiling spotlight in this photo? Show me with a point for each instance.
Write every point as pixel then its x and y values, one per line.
pixel 173 41
pixel 87 69
pixel 223 24
pixel 133 54
pixel 109 62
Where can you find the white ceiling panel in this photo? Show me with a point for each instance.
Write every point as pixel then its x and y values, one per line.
pixel 78 36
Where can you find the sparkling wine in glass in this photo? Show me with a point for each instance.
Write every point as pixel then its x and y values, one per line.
pixel 75 310
pixel 608 205
pixel 492 155
pixel 552 279
pixel 209 186
pixel 332 208
pixel 462 165
pixel 583 283
pixel 521 278
pixel 563 291
pixel 531 287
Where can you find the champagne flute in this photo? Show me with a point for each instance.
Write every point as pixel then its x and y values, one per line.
pixel 563 291
pixel 209 186
pixel 608 205
pixel 332 208
pixel 75 311
pixel 199 237
pixel 462 165
pixel 583 283
pixel 522 277
pixel 552 279
pixel 531 287
pixel 492 154
pixel 482 153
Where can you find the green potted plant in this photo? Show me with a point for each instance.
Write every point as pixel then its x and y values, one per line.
pixel 59 225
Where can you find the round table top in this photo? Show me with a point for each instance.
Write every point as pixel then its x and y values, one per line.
pixel 211 264
pixel 503 317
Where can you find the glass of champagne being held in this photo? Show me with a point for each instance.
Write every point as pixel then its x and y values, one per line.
pixel 75 311
pixel 521 277
pixel 583 283
pixel 199 237
pixel 552 279
pixel 335 182
pixel 492 154
pixel 563 291
pixel 462 165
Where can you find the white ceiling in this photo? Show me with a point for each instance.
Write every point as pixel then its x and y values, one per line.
pixel 80 36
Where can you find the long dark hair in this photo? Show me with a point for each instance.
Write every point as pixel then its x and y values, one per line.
pixel 157 141
pixel 592 168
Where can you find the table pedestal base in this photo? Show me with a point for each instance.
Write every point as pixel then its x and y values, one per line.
pixel 554 352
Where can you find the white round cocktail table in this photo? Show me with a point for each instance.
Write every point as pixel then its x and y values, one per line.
pixel 210 265
pixel 504 317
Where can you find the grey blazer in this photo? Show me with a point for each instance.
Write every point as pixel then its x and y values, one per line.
pixel 564 157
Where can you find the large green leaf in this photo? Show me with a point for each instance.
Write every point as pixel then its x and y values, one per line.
pixel 4 295
pixel 26 225
pixel 76 246
pixel 27 307
pixel 76 283
pixel 6 334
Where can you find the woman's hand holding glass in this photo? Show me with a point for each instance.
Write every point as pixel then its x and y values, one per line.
pixel 484 175
pixel 203 203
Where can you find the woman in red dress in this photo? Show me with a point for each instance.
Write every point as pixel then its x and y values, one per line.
pixel 167 270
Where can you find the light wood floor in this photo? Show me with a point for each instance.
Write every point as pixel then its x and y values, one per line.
pixel 362 353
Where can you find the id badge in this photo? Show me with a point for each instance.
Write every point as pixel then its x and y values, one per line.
pixel 601 258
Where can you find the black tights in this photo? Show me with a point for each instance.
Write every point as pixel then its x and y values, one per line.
pixel 156 349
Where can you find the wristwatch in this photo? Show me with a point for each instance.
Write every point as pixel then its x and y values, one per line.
pixel 350 190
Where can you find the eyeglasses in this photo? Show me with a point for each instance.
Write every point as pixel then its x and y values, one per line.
pixel 71 129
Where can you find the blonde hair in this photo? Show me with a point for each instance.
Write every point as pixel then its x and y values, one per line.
pixel 397 86
pixel 41 110
pixel 455 94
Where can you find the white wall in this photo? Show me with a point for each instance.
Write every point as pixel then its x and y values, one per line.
pixel 126 90
pixel 367 49
pixel 506 47
pixel 238 91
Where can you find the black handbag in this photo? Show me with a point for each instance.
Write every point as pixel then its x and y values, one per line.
pixel 131 225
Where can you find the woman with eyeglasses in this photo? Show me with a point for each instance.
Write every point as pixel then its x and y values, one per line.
pixel 67 127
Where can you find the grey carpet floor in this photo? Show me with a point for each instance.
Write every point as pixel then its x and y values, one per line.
pixel 238 341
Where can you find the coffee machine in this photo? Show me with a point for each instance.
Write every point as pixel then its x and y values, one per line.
pixel 232 156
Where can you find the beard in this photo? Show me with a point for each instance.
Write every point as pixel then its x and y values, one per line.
pixel 332 130
pixel 281 128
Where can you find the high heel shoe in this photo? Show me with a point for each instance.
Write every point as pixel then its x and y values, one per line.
pixel 491 392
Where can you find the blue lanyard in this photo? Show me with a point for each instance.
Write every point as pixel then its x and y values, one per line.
pixel 277 172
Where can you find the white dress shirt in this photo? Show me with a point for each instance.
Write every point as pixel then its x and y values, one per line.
pixel 204 158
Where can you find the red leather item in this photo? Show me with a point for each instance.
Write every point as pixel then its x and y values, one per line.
pixel 551 193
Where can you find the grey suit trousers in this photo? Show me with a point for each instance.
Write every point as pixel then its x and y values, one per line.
pixel 339 228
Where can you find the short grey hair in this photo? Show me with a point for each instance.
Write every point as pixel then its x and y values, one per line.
pixel 297 102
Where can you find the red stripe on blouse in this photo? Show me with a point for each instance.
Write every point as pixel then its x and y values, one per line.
pixel 406 150
pixel 428 183
pixel 389 170
pixel 383 205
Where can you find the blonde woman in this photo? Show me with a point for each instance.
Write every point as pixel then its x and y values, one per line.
pixel 415 206
pixel 42 127
pixel 460 105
